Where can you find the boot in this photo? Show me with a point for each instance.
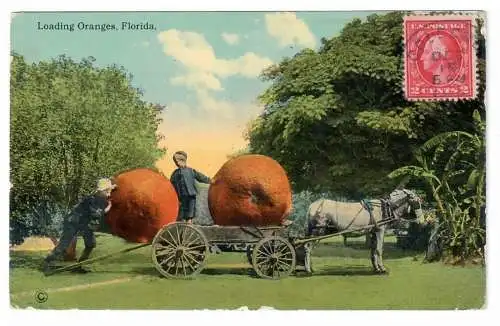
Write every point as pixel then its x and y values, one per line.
pixel 47 265
pixel 85 254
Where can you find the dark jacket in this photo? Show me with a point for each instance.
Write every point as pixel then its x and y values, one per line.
pixel 183 180
pixel 89 210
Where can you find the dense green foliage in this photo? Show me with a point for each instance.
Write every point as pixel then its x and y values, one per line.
pixel 454 166
pixel 71 123
pixel 337 119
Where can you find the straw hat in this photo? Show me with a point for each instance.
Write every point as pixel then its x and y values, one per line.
pixel 105 184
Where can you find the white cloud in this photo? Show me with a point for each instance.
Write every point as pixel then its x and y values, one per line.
pixel 248 65
pixel 289 30
pixel 212 105
pixel 198 80
pixel 230 38
pixel 211 110
pixel 189 48
pixel 198 57
pixel 203 74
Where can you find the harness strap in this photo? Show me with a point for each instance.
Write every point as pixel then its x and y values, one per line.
pixel 366 205
pixel 387 212
pixel 354 219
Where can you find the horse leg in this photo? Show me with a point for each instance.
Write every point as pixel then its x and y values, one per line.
pixel 307 258
pixel 373 251
pixel 380 248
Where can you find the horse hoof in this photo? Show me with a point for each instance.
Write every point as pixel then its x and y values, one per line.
pixel 379 271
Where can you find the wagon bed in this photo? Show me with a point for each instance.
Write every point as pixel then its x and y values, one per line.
pixel 180 250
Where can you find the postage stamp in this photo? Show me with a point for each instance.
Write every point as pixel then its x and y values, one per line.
pixel 440 57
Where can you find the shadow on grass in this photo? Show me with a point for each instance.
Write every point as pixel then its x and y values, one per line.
pixel 341 271
pixel 358 250
pixel 30 261
pixel 299 273
pixel 25 260
pixel 345 271
pixel 152 272
pixel 248 271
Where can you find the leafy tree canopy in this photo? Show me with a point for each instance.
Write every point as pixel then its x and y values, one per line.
pixel 71 123
pixel 337 119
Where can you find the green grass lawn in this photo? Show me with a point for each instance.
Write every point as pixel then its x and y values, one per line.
pixel 342 280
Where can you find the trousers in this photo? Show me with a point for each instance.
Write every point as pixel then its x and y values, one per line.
pixel 70 231
pixel 187 207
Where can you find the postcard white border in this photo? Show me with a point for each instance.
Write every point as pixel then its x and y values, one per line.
pixel 268 316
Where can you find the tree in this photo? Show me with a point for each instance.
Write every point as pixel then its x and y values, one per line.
pixel 456 179
pixel 336 118
pixel 72 123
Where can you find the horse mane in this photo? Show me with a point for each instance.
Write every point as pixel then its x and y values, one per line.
pixel 399 194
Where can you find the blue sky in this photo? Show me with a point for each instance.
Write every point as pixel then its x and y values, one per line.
pixel 203 66
pixel 141 53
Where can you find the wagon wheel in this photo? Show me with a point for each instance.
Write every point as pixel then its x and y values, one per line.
pixel 273 258
pixel 179 250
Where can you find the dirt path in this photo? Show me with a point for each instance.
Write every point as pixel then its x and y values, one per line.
pixel 78 287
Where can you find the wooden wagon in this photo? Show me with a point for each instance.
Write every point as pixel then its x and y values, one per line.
pixel 181 250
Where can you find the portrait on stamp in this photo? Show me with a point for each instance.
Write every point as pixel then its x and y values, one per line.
pixel 440 58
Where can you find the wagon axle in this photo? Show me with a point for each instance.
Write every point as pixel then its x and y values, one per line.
pixel 179 252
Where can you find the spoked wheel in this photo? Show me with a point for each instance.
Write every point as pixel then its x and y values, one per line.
pixel 273 258
pixel 179 250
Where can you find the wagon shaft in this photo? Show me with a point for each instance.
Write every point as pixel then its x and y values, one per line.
pixel 327 236
pixel 93 260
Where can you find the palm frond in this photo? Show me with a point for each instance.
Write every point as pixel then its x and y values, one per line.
pixel 441 138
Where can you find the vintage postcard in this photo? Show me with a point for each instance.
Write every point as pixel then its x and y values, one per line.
pixel 330 160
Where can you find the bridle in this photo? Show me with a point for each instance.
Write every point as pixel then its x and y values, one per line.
pixel 389 207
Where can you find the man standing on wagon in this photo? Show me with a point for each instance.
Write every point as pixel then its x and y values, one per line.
pixel 183 180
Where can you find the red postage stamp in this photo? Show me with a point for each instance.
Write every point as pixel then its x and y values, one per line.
pixel 440 58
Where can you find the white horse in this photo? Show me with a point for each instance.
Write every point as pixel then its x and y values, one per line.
pixel 328 216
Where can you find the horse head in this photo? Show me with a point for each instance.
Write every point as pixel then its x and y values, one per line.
pixel 404 202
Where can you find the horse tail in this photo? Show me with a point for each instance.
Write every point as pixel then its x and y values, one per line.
pixel 320 207
pixel 309 221
pixel 310 224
